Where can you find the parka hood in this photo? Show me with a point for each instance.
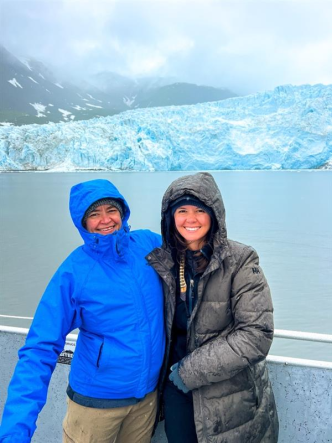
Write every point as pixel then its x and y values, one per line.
pixel 202 186
pixel 84 194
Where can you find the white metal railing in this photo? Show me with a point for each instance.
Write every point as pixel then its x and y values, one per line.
pixel 24 331
pixel 299 335
pixel 15 316
pixel 278 333
pixel 290 361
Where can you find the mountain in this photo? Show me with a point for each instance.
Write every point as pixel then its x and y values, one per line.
pixel 287 128
pixel 182 93
pixel 31 93
pixel 153 92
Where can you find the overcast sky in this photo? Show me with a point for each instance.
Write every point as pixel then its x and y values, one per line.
pixel 243 45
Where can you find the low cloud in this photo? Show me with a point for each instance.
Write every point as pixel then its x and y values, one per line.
pixel 246 45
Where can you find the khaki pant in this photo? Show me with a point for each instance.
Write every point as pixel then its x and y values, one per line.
pixel 129 424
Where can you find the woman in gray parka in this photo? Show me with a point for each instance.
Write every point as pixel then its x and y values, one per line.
pixel 219 322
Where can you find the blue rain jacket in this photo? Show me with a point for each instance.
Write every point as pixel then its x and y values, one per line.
pixel 106 289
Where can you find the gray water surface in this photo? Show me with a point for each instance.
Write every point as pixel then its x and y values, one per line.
pixel 285 215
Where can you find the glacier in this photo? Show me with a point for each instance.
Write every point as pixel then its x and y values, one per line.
pixel 289 127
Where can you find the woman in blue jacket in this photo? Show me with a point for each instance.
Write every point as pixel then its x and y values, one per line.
pixel 107 290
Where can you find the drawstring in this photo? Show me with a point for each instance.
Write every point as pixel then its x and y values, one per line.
pixel 183 283
pixel 183 287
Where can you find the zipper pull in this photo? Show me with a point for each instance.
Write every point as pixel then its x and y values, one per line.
pixel 191 296
pixel 192 288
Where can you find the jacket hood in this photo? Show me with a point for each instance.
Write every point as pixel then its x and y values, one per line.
pixel 202 186
pixel 84 194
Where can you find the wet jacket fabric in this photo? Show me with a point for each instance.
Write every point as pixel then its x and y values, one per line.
pixel 229 332
pixel 106 289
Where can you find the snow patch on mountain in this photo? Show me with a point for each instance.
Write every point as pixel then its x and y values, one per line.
pixel 39 108
pixel 129 101
pixel 26 63
pixel 93 98
pixel 66 114
pixel 94 106
pixel 15 83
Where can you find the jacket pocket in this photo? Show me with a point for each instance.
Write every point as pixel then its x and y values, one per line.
pixel 87 356
pixel 99 354
pixel 252 379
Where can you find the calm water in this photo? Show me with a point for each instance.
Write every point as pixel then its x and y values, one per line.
pixel 286 216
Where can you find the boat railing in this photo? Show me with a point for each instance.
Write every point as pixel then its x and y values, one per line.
pixel 299 335
pixel 302 389
pixel 278 333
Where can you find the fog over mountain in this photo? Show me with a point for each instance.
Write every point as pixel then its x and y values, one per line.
pixel 246 46
pixel 32 93
pixel 287 128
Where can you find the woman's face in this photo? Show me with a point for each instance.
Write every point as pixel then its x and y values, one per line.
pixel 104 220
pixel 193 224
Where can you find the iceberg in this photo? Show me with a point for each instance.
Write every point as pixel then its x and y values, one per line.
pixel 289 127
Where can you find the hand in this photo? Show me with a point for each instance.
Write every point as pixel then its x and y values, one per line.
pixel 175 378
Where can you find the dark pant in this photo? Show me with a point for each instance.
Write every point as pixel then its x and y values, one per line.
pixel 179 415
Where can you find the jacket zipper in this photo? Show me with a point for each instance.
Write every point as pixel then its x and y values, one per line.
pixel 99 355
pixel 190 296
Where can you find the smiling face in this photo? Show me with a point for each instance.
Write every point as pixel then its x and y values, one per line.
pixel 193 224
pixel 104 220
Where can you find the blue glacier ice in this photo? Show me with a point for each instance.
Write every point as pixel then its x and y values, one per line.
pixel 287 128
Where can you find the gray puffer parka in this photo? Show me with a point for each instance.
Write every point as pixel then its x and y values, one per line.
pixel 229 333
